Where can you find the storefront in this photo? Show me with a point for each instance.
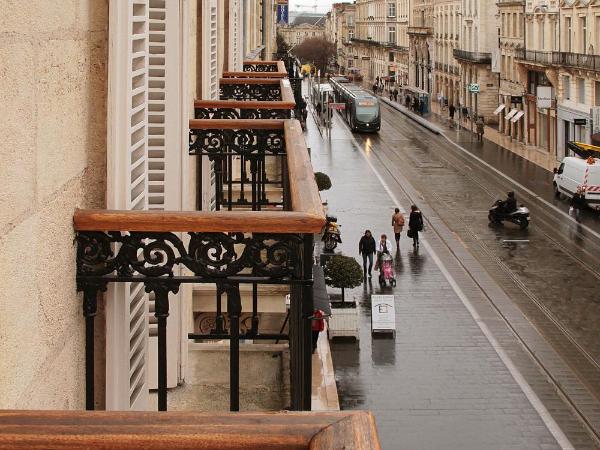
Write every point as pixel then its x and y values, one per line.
pixel 511 116
pixel 573 125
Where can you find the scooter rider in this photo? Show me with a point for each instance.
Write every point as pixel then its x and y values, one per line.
pixel 510 204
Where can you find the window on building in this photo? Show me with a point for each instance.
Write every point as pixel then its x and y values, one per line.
pixel 392 9
pixel 392 35
pixel 581 90
pixel 566 80
pixel 541 36
pixel 568 35
pixel 298 38
pixel 597 33
pixel 313 33
pixel 583 28
pixel 391 57
pixel 350 20
pixel 350 34
pixel 597 93
pixel 515 25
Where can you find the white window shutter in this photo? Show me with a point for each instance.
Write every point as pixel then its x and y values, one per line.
pixel 165 155
pixel 235 36
pixel 127 188
pixel 146 170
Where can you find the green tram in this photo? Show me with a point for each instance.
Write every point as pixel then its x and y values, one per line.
pixel 362 110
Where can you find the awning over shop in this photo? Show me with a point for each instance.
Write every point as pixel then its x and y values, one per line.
pixel 511 114
pixel 517 116
pixel 499 109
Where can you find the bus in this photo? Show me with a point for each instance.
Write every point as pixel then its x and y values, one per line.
pixel 362 110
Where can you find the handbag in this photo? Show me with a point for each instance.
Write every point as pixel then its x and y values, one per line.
pixel 409 233
pixel 571 210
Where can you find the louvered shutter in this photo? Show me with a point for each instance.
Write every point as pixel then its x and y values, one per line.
pixel 164 159
pixel 235 36
pixel 127 187
pixel 146 170
pixel 210 89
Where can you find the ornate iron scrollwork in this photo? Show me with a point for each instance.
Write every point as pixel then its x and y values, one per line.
pixel 216 113
pixel 246 91
pixel 207 255
pixel 260 67
pixel 247 142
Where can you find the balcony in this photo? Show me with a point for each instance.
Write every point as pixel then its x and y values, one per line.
pixel 370 42
pixel 473 57
pixel 578 60
pixel 80 430
pixel 267 211
pixel 535 56
pixel 260 69
pixel 420 31
pixel 243 101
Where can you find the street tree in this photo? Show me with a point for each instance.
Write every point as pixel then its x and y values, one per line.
pixel 316 51
pixel 343 272
pixel 282 46
pixel 323 181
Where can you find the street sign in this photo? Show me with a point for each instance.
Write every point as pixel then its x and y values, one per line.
pixel 383 314
pixel 580 122
pixel 474 88
pixel 544 97
pixel 516 100
pixel 338 106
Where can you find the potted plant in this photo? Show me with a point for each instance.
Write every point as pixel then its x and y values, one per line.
pixel 323 182
pixel 343 272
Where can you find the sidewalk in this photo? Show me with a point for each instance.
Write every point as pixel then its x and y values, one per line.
pixel 440 383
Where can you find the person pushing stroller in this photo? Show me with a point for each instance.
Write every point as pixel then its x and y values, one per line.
pixel 385 262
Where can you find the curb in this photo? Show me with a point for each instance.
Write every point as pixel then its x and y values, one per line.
pixel 420 120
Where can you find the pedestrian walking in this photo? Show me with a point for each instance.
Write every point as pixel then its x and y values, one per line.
pixel 375 88
pixel 367 248
pixel 451 111
pixel 398 224
pixel 407 101
pixel 415 224
pixel 383 246
pixel 577 204
pixel 395 94
pixel 480 128
pixel 318 325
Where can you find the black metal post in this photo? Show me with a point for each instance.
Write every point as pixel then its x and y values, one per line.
pixel 295 329
pixel 307 312
pixel 219 320
pixel 242 178
pixel 218 163
pixel 253 181
pixel 90 309
pixel 254 330
pixel 234 309
pixel 161 291
pixel 229 181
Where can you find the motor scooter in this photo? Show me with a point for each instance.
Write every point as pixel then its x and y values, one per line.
pixel 520 216
pixel 331 236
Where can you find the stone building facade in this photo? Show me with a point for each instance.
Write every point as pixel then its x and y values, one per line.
pixel 478 40
pixel 71 74
pixel 446 37
pixel 421 46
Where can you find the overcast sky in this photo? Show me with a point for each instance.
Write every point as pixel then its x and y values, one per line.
pixel 322 5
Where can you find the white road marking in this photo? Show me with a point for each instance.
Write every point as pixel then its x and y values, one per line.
pixel 515 240
pixel 537 404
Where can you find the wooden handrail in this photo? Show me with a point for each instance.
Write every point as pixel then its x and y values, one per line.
pixel 112 430
pixel 237 124
pixel 307 215
pixel 255 74
pixel 244 104
pixel 249 81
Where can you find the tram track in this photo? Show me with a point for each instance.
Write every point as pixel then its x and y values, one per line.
pixel 390 158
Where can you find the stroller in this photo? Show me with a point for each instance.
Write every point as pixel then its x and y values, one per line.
pixel 386 270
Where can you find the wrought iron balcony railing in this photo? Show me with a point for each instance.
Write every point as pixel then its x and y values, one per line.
pixel 249 107
pixel 260 69
pixel 246 89
pixel 268 245
pixel 424 31
pixel 579 60
pixel 474 57
pixel 536 56
pixel 113 430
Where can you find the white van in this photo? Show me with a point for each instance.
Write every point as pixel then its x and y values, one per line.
pixel 571 174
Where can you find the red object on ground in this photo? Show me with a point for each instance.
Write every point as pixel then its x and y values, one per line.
pixel 318 323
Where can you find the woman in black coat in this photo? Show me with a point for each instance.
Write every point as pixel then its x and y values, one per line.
pixel 415 224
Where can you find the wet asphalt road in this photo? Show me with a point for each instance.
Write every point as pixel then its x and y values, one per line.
pixel 550 270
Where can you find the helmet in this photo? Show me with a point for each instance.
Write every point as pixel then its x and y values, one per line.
pixel 511 194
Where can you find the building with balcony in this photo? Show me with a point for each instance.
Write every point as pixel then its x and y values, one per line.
pixel 536 69
pixel 510 111
pixel 379 43
pixel 421 47
pixel 478 40
pixel 302 28
pixel 578 65
pixel 342 33
pixel 446 86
